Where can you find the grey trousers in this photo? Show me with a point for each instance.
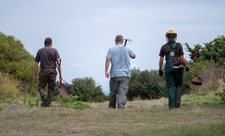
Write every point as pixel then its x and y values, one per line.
pixel 120 86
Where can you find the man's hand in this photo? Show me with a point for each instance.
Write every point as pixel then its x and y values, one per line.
pixel 161 73
pixel 60 78
pixel 187 68
pixel 107 63
pixel 181 67
pixel 35 79
pixel 107 74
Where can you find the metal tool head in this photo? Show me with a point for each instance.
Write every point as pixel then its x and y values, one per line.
pixel 63 91
pixel 196 82
pixel 125 43
pixel 193 81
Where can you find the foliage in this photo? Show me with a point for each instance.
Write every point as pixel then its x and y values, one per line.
pixel 222 95
pixel 71 102
pixel 195 51
pixel 2 107
pixel 215 50
pixel 16 75
pixel 211 51
pixel 86 89
pixel 17 62
pixel 199 68
pixel 8 87
pixel 200 100
pixel 199 117
pixel 31 102
pixel 146 84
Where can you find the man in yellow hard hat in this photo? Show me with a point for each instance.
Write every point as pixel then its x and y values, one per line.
pixel 175 64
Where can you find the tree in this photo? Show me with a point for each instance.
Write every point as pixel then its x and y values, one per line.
pixel 17 62
pixel 146 84
pixel 195 53
pixel 86 89
pixel 213 50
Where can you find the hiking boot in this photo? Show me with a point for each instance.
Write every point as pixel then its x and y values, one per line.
pixel 44 101
pixel 43 104
pixel 171 107
pixel 44 98
pixel 177 105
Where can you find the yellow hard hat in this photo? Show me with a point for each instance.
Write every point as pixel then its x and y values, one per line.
pixel 171 34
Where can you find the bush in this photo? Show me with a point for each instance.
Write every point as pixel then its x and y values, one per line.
pixel 71 102
pixel 86 89
pixel 8 87
pixel 146 84
pixel 17 62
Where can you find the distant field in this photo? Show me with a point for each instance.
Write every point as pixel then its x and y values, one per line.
pixel 198 116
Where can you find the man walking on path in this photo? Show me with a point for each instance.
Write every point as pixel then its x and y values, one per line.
pixel 175 64
pixel 49 59
pixel 119 58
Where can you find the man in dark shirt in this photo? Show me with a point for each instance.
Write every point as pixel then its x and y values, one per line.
pixel 49 59
pixel 175 64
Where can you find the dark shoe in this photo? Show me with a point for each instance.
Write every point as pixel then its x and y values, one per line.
pixel 43 104
pixel 44 101
pixel 177 105
pixel 44 98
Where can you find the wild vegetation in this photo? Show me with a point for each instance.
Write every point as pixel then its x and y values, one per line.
pixel 17 65
pixel 200 115
pixel 85 111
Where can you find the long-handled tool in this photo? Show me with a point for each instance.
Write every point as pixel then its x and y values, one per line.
pixel 62 89
pixel 198 81
pixel 194 82
pixel 125 43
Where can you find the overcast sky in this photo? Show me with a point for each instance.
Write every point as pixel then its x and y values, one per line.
pixel 83 30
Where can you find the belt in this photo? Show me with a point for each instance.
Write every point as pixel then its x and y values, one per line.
pixel 48 68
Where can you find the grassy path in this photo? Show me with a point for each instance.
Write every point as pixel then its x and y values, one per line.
pixel 140 118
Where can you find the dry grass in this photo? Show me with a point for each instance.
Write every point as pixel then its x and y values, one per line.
pixel 8 87
pixel 201 114
pixel 140 118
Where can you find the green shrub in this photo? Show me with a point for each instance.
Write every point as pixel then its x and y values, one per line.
pixel 17 62
pixel 86 89
pixel 146 84
pixel 222 95
pixel 71 102
pixel 8 87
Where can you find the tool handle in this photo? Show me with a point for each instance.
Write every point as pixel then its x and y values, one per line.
pixel 59 69
pixel 180 67
pixel 125 42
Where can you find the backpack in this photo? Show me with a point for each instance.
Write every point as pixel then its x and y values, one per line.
pixel 173 58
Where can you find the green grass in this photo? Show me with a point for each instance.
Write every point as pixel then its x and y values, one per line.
pixel 140 118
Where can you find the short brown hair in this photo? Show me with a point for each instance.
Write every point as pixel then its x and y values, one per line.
pixel 119 38
pixel 48 41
